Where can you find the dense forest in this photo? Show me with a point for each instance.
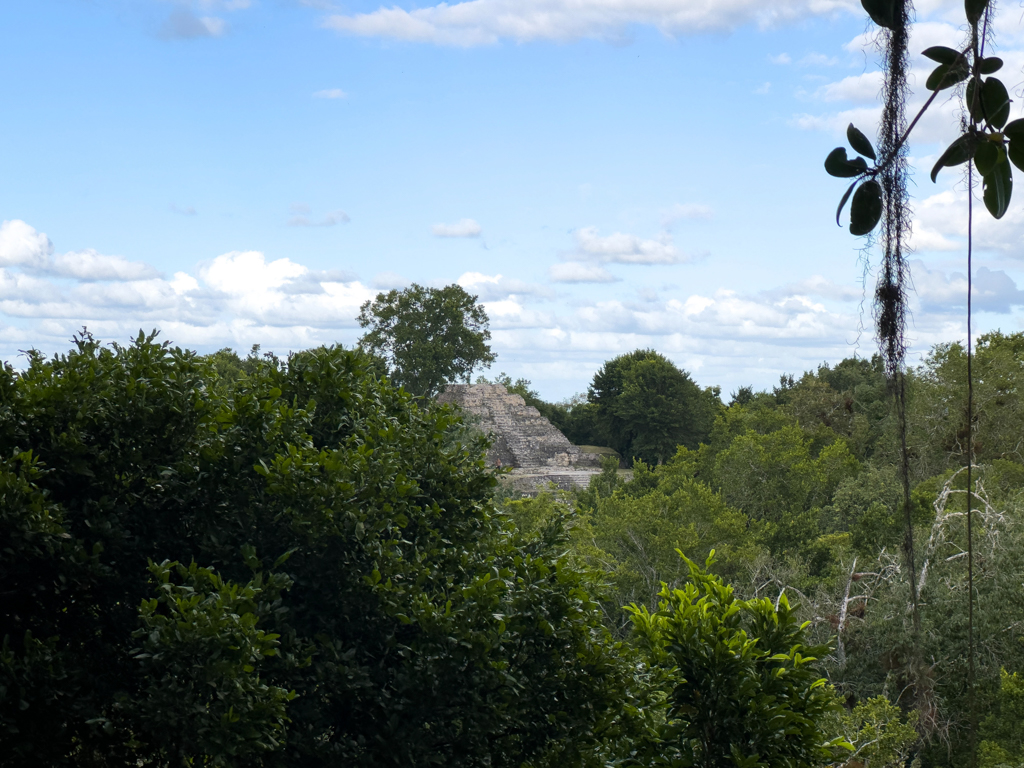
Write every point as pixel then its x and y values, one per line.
pixel 214 560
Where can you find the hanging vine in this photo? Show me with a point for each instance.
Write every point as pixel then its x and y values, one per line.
pixel 879 195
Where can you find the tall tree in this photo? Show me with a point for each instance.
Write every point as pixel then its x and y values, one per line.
pixel 646 407
pixel 295 568
pixel 428 337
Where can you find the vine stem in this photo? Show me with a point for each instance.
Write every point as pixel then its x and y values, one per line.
pixel 970 466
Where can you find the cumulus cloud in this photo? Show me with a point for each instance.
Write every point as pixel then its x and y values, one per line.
pixel 782 58
pixel 863 88
pixel 620 248
pixel 498 287
pixel 21 245
pixel 240 297
pixel 991 290
pixel 940 223
pixel 330 93
pixel 577 272
pixel 485 22
pixel 90 266
pixel 462 228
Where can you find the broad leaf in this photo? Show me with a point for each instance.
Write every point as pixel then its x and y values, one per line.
pixel 883 12
pixel 1015 152
pixel 986 157
pixel 998 186
pixel 974 9
pixel 1014 129
pixel 866 208
pixel 947 75
pixel 990 64
pixel 941 54
pixel 837 164
pixel 960 151
pixel 996 101
pixel 860 142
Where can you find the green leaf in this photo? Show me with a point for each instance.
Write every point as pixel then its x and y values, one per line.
pixel 998 185
pixel 972 98
pixel 947 75
pixel 842 203
pixel 1015 151
pixel 941 54
pixel 883 12
pixel 860 142
pixel 1014 129
pixel 960 151
pixel 986 156
pixel 990 64
pixel 974 9
pixel 866 208
pixel 996 101
pixel 837 164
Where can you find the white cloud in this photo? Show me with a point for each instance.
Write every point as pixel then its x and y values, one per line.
pixel 485 22
pixel 763 90
pixel 576 272
pixel 861 88
pixel 782 58
pixel 330 93
pixel 89 266
pixel 498 287
pixel 463 228
pixel 21 245
pixel 622 248
pixel 991 290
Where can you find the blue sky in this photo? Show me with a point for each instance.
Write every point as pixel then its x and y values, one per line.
pixel 604 174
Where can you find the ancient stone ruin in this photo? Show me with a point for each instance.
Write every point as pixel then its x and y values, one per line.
pixel 523 439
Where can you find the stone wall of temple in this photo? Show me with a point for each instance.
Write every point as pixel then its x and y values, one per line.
pixel 523 438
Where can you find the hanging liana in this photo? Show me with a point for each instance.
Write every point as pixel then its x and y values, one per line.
pixel 990 144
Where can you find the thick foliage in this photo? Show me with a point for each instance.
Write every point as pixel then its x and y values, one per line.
pixel 745 690
pixel 646 407
pixel 427 337
pixel 297 568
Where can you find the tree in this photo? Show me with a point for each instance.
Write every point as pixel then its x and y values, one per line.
pixel 428 337
pixel 299 567
pixel 646 407
pixel 742 684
